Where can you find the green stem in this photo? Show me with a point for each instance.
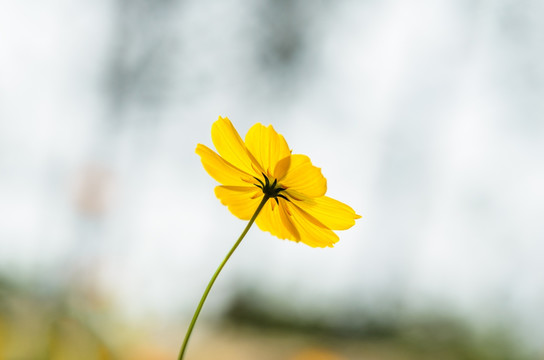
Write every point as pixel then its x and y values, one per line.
pixel 212 280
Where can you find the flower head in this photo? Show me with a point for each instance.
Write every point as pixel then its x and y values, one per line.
pixel 262 166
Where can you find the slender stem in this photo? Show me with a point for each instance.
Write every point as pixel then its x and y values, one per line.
pixel 212 280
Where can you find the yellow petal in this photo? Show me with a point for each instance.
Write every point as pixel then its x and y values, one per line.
pixel 312 232
pixel 330 212
pixel 305 178
pixel 273 220
pixel 268 147
pixel 285 217
pixel 221 170
pixel 287 221
pixel 242 201
pixel 282 167
pixel 230 146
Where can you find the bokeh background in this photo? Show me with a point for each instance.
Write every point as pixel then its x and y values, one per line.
pixel 427 117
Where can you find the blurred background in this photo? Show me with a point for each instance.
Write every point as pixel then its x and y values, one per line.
pixel 427 117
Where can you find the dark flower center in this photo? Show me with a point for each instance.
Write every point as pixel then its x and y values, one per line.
pixel 272 190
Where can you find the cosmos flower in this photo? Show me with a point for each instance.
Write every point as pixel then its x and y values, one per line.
pixel 264 183
pixel 263 169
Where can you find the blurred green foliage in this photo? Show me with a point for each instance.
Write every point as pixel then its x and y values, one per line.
pixel 39 325
pixel 435 335
pixel 39 322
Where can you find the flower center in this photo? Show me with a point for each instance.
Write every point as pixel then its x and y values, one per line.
pixel 272 190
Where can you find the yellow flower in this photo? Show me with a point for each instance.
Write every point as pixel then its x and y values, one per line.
pixel 263 166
